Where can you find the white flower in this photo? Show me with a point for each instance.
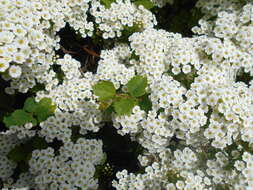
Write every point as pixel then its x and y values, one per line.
pixel 21 42
pixel 6 37
pixel 186 69
pixel 246 156
pixel 180 184
pixel 15 71
pixel 19 31
pixel 19 58
pixel 239 165
pixel 4 65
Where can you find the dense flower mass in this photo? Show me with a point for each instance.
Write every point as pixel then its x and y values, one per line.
pixel 193 119
pixel 59 172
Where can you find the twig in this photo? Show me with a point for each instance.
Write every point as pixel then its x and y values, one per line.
pixel 91 52
pixel 67 51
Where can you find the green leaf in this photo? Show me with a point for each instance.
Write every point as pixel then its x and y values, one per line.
pixel 124 106
pixel 145 3
pixel 145 104
pixel 34 121
pixel 36 88
pixel 8 121
pixel 107 3
pixel 161 110
pixel 30 105
pixel 39 143
pixel 105 90
pixel 98 172
pixel 19 117
pixel 17 154
pixel 108 110
pixel 103 105
pixel 44 109
pixel 136 86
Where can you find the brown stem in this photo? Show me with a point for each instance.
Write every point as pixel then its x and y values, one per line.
pixel 91 52
pixel 67 51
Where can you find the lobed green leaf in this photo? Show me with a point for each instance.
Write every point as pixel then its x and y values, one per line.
pixel 30 105
pixel 145 3
pixel 19 117
pixel 44 109
pixel 107 3
pixel 124 106
pixel 137 85
pixel 105 90
pixel 145 103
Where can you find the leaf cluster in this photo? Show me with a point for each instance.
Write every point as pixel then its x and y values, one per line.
pixel 22 152
pixel 32 112
pixel 123 103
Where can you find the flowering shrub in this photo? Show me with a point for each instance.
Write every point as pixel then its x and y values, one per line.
pixel 76 72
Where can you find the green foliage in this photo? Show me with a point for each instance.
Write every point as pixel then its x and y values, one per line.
pixel 179 18
pixel 128 31
pixel 29 105
pixel 107 3
pixel 145 3
pixel 134 56
pixel 145 103
pixel 123 103
pixel 105 90
pixel 22 153
pixel 246 146
pixel 207 152
pixel 36 88
pixel 124 106
pixel 17 154
pixel 19 117
pixel 185 79
pixel 32 112
pixel 39 143
pixel 223 187
pixel 137 85
pixel 43 109
pixel 244 77
pixel 100 167
pixel 173 176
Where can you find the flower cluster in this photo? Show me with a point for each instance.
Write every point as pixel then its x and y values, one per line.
pixel 29 34
pixel 25 35
pixel 232 32
pixel 203 105
pixel 114 65
pixel 164 173
pixel 187 169
pixel 197 130
pixel 23 131
pixel 72 168
pixel 151 46
pixel 8 142
pixel 122 14
pixel 76 105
